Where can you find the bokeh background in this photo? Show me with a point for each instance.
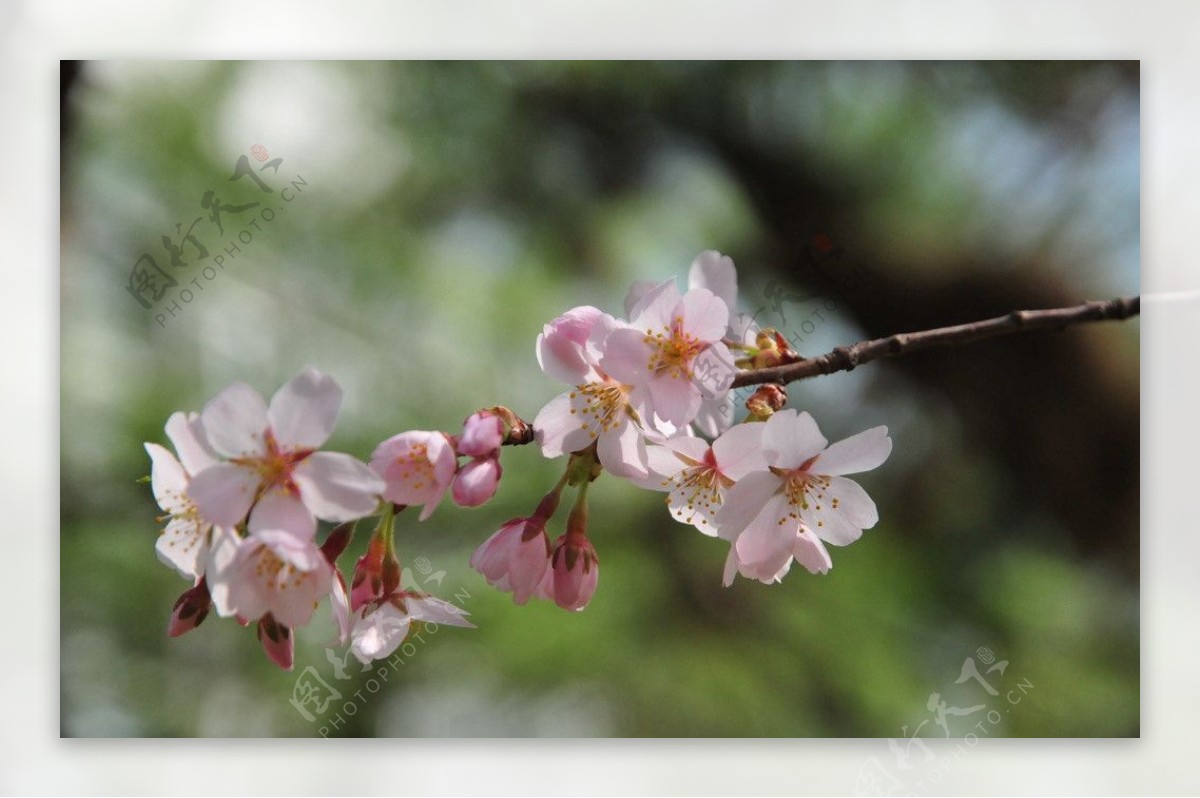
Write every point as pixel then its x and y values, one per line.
pixel 443 212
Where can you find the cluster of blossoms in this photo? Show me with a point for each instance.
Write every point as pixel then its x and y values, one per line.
pixel 648 400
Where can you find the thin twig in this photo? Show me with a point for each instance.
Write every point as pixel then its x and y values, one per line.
pixel 845 358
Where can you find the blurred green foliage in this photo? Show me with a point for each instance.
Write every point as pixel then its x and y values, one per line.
pixel 446 211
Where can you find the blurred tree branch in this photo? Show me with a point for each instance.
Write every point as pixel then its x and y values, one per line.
pixel 846 358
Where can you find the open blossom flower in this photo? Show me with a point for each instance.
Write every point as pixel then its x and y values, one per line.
pixel 417 467
pixel 697 475
pixel 277 572
pixel 662 348
pixel 380 628
pixel 516 559
pixel 801 500
pixel 186 540
pixel 273 463
pixel 599 409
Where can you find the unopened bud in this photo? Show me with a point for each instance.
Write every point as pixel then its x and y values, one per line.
pixel 190 609
pixel 765 401
pixel 277 641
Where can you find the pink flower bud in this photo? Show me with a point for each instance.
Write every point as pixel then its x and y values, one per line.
pixel 576 571
pixel 516 559
pixel 277 641
pixel 375 575
pixel 190 610
pixel 476 482
pixel 482 434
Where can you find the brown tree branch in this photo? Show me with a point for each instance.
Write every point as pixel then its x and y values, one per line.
pixel 845 358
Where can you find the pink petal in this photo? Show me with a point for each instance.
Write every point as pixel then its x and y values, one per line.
pixel 623 451
pixel 277 509
pixel 790 439
pixel 339 606
pixel 223 493
pixel 676 399
pixel 739 451
pixel 434 610
pixel 561 346
pixel 766 545
pixel 861 452
pixel 627 356
pixel 303 411
pixel 705 315
pixel 222 555
pixel 843 523
pixel 636 291
pixel 716 272
pixel 714 416
pixel 235 421
pixel 557 430
pixel 337 487
pixel 713 371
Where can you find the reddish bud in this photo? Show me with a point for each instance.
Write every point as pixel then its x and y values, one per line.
pixel 190 610
pixel 277 641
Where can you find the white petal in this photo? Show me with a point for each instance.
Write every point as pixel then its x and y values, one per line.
pixel 731 567
pixel 188 437
pixel 223 493
pixel 622 451
pixel 698 507
pixel 337 487
pixel 791 439
pixel 810 553
pixel 744 501
pixel 861 452
pixel 277 509
pixel 303 412
pixel 183 545
pixel 235 421
pixel 222 554
pixel 557 430
pixel 714 416
pixel 713 371
pixel 339 607
pixel 435 610
pixel 379 633
pixel 716 272
pixel 705 315
pixel 740 450
pixel 167 478
pixel 676 398
pixel 840 512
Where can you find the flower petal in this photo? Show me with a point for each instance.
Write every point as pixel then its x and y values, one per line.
pixel 167 478
pixel 676 398
pixel 716 272
pixel 655 307
pixel 623 451
pixel 223 493
pixel 277 509
pixel 190 441
pixel 562 345
pixel 636 291
pixel 557 429
pixel 841 512
pixel 810 553
pixel 221 556
pixel 861 452
pixel 235 421
pixel 714 416
pixel 765 547
pixel 183 545
pixel 705 315
pixel 303 412
pixel 434 610
pixel 790 439
pixel 744 501
pixel 627 356
pixel 337 487
pixel 740 450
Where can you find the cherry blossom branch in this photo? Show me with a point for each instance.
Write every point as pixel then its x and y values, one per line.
pixel 846 358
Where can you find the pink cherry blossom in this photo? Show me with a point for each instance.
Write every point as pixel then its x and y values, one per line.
pixel 697 475
pixel 660 348
pixel 417 467
pixel 476 482
pixel 562 346
pixel 274 471
pixel 279 573
pixel 599 409
pixel 516 559
pixel 801 501
pixel 380 628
